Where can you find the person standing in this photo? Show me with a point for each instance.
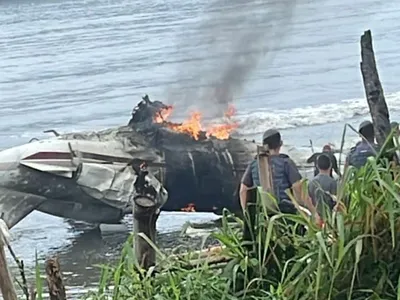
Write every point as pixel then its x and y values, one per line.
pixel 322 186
pixel 285 175
pixel 328 151
pixel 363 149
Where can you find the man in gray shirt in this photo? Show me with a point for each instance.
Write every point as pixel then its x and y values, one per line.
pixel 322 185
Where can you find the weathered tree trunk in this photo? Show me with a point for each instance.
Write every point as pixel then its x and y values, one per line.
pixel 6 282
pixel 54 280
pixel 374 91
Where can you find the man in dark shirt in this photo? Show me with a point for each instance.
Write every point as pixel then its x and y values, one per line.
pixel 328 151
pixel 363 149
pixel 285 174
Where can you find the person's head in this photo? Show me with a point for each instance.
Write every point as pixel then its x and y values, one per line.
pixel 272 138
pixel 324 163
pixel 327 148
pixel 366 129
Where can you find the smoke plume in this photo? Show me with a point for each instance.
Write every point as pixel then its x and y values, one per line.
pixel 219 55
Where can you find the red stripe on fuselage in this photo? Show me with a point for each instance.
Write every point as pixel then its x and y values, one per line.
pixel 67 155
pixel 49 155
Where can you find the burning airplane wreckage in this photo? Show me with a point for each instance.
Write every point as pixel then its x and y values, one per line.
pixel 92 177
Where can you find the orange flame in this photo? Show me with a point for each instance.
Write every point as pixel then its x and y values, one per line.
pixel 193 125
pixel 221 131
pixel 189 208
pixel 163 114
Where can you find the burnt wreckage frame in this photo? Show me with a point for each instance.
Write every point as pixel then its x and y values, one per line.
pixel 204 172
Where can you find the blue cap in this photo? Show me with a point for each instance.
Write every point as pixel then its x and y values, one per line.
pixel 364 124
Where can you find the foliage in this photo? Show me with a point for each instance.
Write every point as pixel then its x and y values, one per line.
pixel 354 256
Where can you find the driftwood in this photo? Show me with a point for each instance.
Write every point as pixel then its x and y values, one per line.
pixel 213 256
pixel 6 282
pixel 54 280
pixel 374 91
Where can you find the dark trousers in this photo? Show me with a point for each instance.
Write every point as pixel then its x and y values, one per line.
pixel 285 206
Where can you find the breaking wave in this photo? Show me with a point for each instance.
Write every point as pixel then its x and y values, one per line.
pixel 252 123
pixel 255 122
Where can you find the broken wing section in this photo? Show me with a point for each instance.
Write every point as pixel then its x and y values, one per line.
pixel 14 206
pixel 115 187
pixel 107 184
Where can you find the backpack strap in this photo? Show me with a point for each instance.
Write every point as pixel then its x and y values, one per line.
pixel 286 159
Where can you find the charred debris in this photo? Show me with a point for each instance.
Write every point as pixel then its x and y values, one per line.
pixel 201 174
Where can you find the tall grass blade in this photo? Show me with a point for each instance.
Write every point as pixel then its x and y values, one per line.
pixel 38 278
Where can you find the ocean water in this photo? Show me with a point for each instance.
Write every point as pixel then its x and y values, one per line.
pixel 83 65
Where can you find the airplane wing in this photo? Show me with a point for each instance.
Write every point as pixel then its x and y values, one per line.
pixel 14 206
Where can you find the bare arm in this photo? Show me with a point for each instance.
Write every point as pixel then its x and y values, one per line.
pixel 312 158
pixel 299 190
pixel 301 193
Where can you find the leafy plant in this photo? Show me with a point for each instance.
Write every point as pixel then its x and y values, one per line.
pixel 356 255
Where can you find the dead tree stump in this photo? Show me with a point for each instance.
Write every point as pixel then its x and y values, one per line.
pixel 374 91
pixel 6 283
pixel 54 280
pixel 149 198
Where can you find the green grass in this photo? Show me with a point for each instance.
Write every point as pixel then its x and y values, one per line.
pixel 356 255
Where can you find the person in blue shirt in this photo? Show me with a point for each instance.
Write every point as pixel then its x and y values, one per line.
pixel 285 175
pixel 363 149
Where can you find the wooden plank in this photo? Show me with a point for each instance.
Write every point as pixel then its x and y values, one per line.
pixel 265 173
pixel 264 169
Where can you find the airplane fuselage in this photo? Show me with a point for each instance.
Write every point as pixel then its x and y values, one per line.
pixel 42 175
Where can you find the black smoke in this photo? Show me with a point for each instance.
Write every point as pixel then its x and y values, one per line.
pixel 222 50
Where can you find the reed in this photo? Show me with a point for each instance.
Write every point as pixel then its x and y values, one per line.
pixel 356 255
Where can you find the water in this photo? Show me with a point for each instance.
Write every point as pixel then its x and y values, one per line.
pixel 80 65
